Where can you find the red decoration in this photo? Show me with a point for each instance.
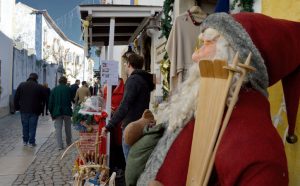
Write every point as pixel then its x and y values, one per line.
pixel 100 119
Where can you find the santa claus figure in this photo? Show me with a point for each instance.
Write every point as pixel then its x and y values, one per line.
pixel 251 151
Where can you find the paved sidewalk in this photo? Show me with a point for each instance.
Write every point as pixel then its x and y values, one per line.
pixel 10 133
pixel 41 165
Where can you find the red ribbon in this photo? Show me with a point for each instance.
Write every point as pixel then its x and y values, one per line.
pixel 100 119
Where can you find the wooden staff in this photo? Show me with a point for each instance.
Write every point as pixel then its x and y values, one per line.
pixel 215 83
pixel 219 117
pixel 244 69
pixel 97 145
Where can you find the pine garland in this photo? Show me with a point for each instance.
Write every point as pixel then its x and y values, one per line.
pixel 77 118
pixel 166 24
pixel 246 5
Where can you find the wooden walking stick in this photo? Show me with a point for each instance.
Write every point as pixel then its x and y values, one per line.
pixel 76 143
pixel 214 86
pixel 97 146
pixel 244 69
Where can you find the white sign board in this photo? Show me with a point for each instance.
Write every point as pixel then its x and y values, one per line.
pixel 109 72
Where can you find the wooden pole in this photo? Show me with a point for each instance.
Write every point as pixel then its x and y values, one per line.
pixel 109 87
pixel 239 84
pixel 96 146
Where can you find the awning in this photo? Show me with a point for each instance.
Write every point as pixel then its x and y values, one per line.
pixel 129 22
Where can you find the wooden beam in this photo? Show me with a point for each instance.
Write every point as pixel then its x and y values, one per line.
pixel 102 43
pixel 91 35
pixel 139 29
pixel 117 24
pixel 121 11
pixel 121 14
pixel 116 34
pixel 98 43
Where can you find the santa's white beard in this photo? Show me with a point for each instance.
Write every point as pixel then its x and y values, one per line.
pixel 182 105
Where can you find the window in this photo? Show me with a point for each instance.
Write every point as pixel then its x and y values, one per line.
pixel 77 60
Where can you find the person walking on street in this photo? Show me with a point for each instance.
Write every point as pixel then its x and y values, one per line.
pixel 46 103
pixel 74 88
pixel 60 108
pixel 82 93
pixel 136 96
pixel 29 100
pixel 91 88
pixel 96 87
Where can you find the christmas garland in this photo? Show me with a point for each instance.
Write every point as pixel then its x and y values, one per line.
pixel 166 26
pixel 77 118
pixel 246 5
pixel 165 70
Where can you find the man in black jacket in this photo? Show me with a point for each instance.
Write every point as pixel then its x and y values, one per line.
pixel 29 100
pixel 74 88
pixel 136 95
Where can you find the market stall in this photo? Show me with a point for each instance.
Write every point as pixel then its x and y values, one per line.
pixel 91 164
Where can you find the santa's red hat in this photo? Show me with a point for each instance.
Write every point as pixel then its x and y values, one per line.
pixel 275 45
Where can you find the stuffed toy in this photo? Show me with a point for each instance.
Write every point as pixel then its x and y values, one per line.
pixel 142 135
pixel 250 152
pixel 134 131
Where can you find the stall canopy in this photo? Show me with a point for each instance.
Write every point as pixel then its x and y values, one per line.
pixel 129 22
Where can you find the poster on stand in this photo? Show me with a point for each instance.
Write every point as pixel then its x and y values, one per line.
pixel 109 72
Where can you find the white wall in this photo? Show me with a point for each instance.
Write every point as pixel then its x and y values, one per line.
pixel 54 48
pixel 72 55
pixel 24 31
pixel 7 10
pixel 23 66
pixel 6 57
pixel 152 2
pixel 24 35
pixel 140 2
pixel 6 52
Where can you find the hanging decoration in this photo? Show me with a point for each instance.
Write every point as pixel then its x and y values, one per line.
pixel 85 25
pixel 82 122
pixel 165 71
pixel 245 5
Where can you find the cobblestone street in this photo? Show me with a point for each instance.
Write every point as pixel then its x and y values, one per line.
pixel 32 166
pixel 47 168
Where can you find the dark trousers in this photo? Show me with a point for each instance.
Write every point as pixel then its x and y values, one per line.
pixel 29 123
pixel 45 107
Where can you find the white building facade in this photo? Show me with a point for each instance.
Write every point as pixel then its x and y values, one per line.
pixel 6 53
pixel 43 48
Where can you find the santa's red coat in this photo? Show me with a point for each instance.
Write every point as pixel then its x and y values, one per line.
pixel 250 153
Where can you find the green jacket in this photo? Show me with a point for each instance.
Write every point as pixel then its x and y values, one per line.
pixel 60 101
